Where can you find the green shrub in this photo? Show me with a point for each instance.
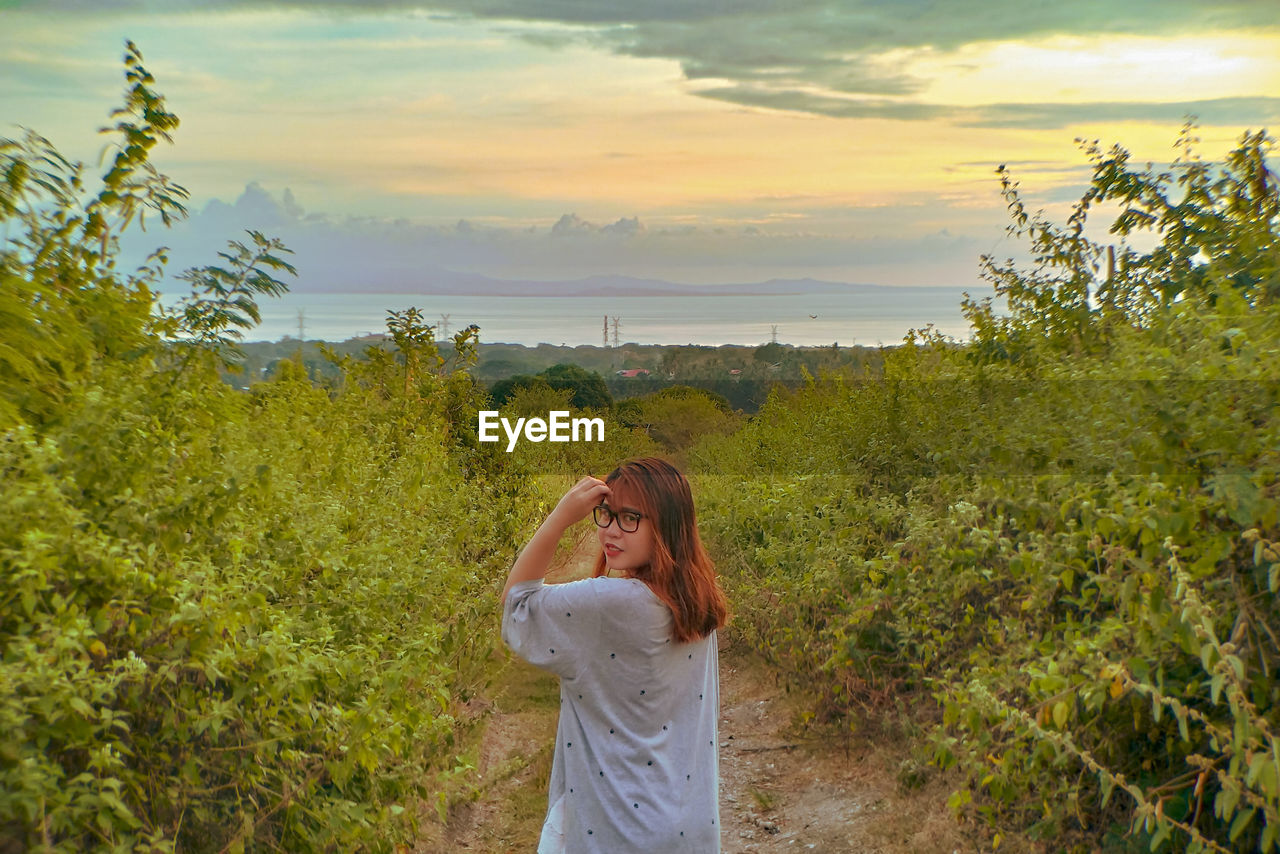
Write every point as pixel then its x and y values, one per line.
pixel 1062 535
pixel 228 620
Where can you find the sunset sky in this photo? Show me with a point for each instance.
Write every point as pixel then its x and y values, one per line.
pixel 699 141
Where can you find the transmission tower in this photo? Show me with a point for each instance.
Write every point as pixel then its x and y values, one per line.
pixel 604 340
pixel 773 336
pixel 617 322
pixel 302 325
pixel 443 328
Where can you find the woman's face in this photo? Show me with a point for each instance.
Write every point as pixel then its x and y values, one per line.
pixel 626 551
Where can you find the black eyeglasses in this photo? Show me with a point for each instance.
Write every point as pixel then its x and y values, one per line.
pixel 628 520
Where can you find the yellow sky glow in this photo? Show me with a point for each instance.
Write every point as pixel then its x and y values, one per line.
pixel 379 120
pixel 1115 68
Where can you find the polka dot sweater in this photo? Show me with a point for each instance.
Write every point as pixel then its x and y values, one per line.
pixel 635 764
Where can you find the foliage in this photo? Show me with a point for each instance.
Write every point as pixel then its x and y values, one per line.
pixel 223 303
pixel 678 416
pixel 587 388
pixel 63 306
pixel 569 459
pixel 228 620
pixel 507 389
pixel 417 347
pixel 1215 230
pixel 1056 544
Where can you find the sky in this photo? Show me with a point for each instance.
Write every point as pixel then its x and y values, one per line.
pixel 695 141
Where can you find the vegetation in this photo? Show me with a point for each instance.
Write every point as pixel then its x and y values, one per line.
pixel 229 620
pixel 1062 537
pixel 677 416
pixel 586 388
pixel 741 375
pixel 248 615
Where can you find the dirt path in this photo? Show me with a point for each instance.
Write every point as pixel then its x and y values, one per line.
pixel 784 785
pixel 787 787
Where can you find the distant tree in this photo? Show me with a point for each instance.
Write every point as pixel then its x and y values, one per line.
pixel 770 353
pixel 537 400
pixel 587 388
pixel 688 392
pixel 504 390
pixel 678 416
pixel 683 362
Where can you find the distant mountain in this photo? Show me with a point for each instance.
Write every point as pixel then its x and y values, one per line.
pixel 449 283
pixel 626 285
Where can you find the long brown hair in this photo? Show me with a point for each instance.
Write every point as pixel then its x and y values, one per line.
pixel 680 572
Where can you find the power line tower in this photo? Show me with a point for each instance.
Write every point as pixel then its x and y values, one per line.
pixel 604 340
pixel 442 330
pixel 773 336
pixel 302 325
pixel 617 322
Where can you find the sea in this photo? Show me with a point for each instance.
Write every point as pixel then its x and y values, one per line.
pixel 866 317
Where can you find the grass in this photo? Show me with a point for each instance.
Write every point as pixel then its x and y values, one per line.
pixel 766 801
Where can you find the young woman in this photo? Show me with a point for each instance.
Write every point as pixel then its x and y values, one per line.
pixel 635 766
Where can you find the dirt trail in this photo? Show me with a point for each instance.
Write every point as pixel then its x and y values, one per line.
pixel 784 786
pixel 788 787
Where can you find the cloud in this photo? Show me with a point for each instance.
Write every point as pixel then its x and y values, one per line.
pixel 334 253
pixel 844 58
pixel 1217 111
pixel 570 224
pixel 847 58
pixel 624 227
pixel 256 208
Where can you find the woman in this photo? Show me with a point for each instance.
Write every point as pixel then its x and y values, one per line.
pixel 635 765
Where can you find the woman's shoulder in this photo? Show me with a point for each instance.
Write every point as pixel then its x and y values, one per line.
pixel 624 598
pixel 612 589
pixel 628 600
pixel 603 587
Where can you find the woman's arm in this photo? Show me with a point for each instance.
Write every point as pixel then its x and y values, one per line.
pixel 574 506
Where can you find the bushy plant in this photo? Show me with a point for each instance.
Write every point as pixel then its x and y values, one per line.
pixel 1062 534
pixel 228 620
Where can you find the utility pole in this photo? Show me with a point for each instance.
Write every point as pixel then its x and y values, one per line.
pixel 616 323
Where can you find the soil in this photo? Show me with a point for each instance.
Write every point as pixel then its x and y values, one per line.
pixel 786 784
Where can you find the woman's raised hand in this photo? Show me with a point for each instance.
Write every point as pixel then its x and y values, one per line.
pixel 576 504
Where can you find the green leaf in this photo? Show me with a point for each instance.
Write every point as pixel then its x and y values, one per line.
pixel 1225 802
pixel 1240 822
pixel 1215 686
pixel 1270 833
pixel 1107 784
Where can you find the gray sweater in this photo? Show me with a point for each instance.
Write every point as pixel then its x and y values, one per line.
pixel 636 763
